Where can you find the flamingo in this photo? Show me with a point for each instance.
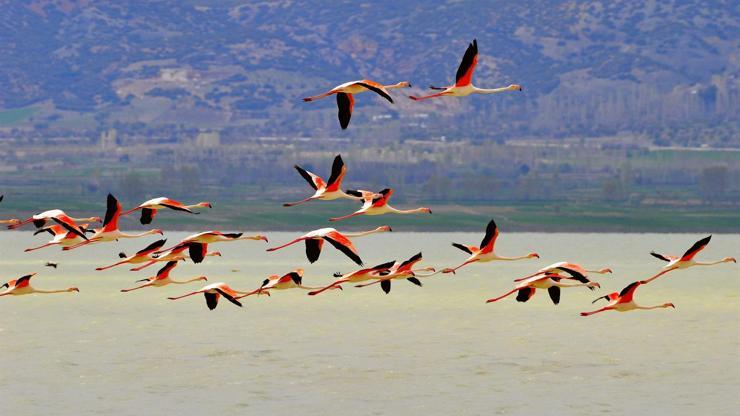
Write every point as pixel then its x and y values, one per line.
pixel 292 280
pixel 163 278
pixel 623 301
pixel 546 280
pixel 687 260
pixel 402 270
pixel 486 251
pixel 109 231
pixel 357 276
pixel 345 96
pixel 377 204
pixel 564 266
pixel 149 208
pixel 341 241
pixel 198 243
pixel 213 292
pixel 325 191
pixel 141 256
pixel 58 216
pixel 22 286
pixel 62 237
pixel 464 79
pixel 177 253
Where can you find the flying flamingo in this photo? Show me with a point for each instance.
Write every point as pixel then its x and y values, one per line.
pixel 486 251
pixel 62 237
pixel 58 216
pixel 623 302
pixel 564 266
pixel 325 191
pixel 464 79
pixel 213 292
pixel 180 252
pixel 402 270
pixel 292 280
pixel 341 241
pixel 197 244
pixel 345 97
pixel 377 204
pixel 687 260
pixel 109 231
pixel 357 276
pixel 149 208
pixel 163 278
pixel 22 286
pixel 550 281
pixel 141 256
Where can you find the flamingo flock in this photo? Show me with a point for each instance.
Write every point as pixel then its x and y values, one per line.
pixel 76 233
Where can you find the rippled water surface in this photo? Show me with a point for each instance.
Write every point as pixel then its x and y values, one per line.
pixel 438 349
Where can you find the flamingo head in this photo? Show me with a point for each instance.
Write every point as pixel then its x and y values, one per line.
pixel 157 231
pixel 385 228
pixel 515 87
pixel 427 210
pixel 215 253
pixel 404 84
pixel 95 219
pixel 205 204
pixel 593 285
pixel 73 289
pixel 729 259
pixel 533 256
pixel 605 270
pixel 669 305
pixel 448 270
pixel 203 278
pixel 259 237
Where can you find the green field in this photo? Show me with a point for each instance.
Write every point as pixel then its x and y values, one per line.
pixel 16 115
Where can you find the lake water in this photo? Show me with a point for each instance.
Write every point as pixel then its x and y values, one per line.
pixel 436 350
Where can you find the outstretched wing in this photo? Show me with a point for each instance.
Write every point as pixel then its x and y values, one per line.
pixel 314 180
pixel 660 256
pixel 313 249
pixel 463 248
pixel 376 88
pixel 343 244
pixel 486 245
pixel 465 71
pixel 152 247
pixel 696 248
pixel 229 297
pixel 112 212
pixel 626 294
pixel 576 276
pixel 337 173
pixel 408 264
pixel 345 104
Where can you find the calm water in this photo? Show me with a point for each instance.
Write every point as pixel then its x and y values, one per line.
pixel 433 350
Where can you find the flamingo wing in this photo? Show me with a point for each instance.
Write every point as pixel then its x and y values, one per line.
pixel 345 104
pixel 313 249
pixel 165 271
pixel 465 71
pixel 626 294
pixel 385 285
pixel 463 248
pixel 576 276
pixel 112 212
pixel 337 173
pixel 376 88
pixel 382 197
pixel 525 294
pixel 660 256
pixel 343 244
pixel 23 281
pixel 489 240
pixel 408 264
pixel 197 251
pixel 151 247
pixel 211 299
pixel 414 281
pixel 147 215
pixel 228 297
pixel 314 180
pixel 295 277
pixel 554 293
pixel 69 225
pixel 696 248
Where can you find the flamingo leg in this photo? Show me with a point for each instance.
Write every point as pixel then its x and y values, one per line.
pixel 297 240
pixel 318 97
pixel 453 270
pixel 372 283
pixel 112 265
pixel 503 296
pixel 426 97
pixel 344 217
pixel 185 295
pixel 137 287
pixel 291 204
pixel 605 308
pixel 39 247
pixel 331 286
pixel 660 274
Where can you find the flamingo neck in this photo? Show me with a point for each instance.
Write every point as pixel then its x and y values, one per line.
pixel 396 86
pixel 182 282
pixel 711 263
pixel 52 291
pixel 477 90
pixel 364 233
pixel 407 211
pixel 513 258
pixel 145 233
pixel 650 307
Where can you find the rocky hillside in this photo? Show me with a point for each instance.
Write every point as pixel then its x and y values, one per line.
pixel 588 68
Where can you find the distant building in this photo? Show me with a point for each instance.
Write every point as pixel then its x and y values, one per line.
pixel 108 139
pixel 208 139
